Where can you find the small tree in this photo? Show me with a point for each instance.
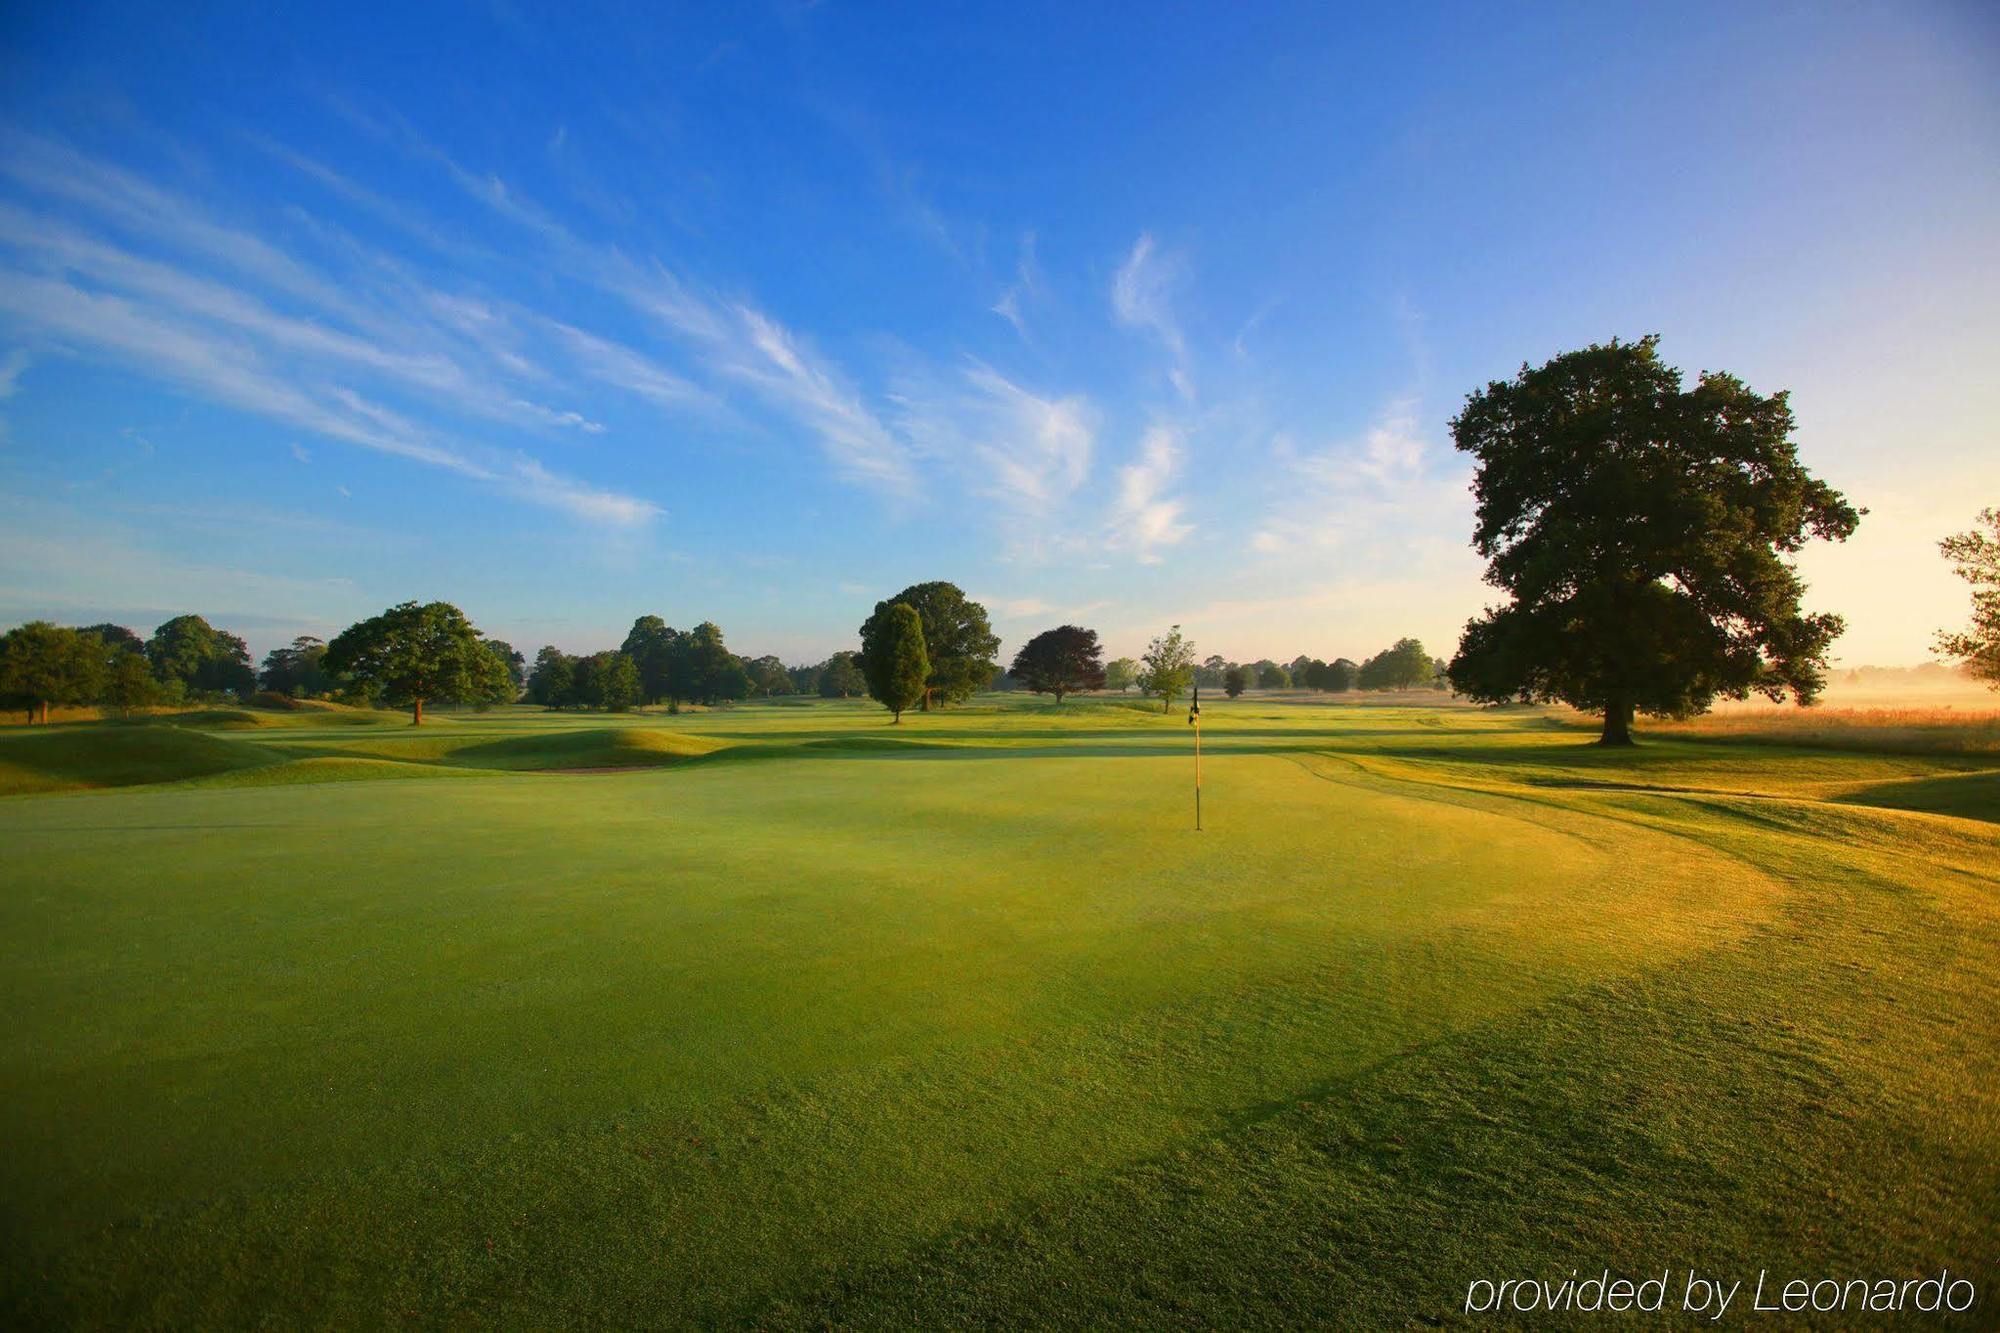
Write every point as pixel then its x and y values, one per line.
pixel 841 677
pixel 1975 557
pixel 893 657
pixel 128 682
pixel 1060 661
pixel 416 654
pixel 516 664
pixel 1271 676
pixel 298 669
pixel 1235 681
pixel 608 680
pixel 44 665
pixel 552 683
pixel 768 677
pixel 1404 666
pixel 1121 675
pixel 1342 674
pixel 1643 532
pixel 1167 667
pixel 205 660
pixel 652 646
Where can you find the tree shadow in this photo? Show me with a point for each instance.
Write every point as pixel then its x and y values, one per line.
pixel 1966 795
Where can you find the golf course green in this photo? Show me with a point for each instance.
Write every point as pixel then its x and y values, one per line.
pixel 782 1015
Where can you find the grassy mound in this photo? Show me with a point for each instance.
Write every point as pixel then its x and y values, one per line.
pixel 75 759
pixel 328 768
pixel 222 719
pixel 601 747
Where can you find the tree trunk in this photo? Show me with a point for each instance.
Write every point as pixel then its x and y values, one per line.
pixel 45 712
pixel 1166 703
pixel 1617 720
pixel 899 719
pixel 416 712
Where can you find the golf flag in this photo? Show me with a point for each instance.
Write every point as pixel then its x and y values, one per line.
pixel 1194 720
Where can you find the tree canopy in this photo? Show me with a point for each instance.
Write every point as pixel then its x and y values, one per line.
pixel 1060 661
pixel 299 669
pixel 1167 667
pixel 607 680
pixel 416 654
pixel 1235 680
pixel 44 666
pixel 958 641
pixel 1642 531
pixel 1975 557
pixel 1404 666
pixel 1121 674
pixel 840 677
pixel 894 657
pixel 652 645
pixel 203 659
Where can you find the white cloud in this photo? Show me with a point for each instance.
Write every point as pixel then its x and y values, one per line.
pixel 1029 451
pixel 1144 518
pixel 235 348
pixel 618 365
pixel 1140 298
pixel 234 374
pixel 300 452
pixel 1370 495
pixel 778 364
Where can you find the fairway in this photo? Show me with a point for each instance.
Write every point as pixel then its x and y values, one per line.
pixel 779 1014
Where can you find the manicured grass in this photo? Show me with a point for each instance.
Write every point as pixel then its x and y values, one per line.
pixel 960 1022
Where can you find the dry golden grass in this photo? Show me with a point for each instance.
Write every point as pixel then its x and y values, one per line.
pixel 1935 730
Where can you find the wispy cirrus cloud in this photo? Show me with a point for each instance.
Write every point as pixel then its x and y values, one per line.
pixel 1141 298
pixel 1030 451
pixel 170 313
pixel 737 341
pixel 1026 287
pixel 1366 493
pixel 1145 518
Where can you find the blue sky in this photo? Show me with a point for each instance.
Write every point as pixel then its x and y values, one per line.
pixel 1119 314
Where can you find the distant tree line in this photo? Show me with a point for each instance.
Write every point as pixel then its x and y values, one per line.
pixel 44 666
pixel 417 654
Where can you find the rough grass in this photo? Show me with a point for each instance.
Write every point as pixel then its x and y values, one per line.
pixel 971 1029
pixel 1947 730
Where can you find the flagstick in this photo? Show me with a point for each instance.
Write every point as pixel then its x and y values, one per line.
pixel 1197 775
pixel 1194 720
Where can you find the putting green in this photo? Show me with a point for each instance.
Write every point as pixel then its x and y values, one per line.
pixel 807 1016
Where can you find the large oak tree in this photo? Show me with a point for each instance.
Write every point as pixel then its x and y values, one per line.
pixel 1643 532
pixel 958 640
pixel 416 654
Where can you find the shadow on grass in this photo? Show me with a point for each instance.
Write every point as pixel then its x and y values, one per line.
pixel 1966 795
